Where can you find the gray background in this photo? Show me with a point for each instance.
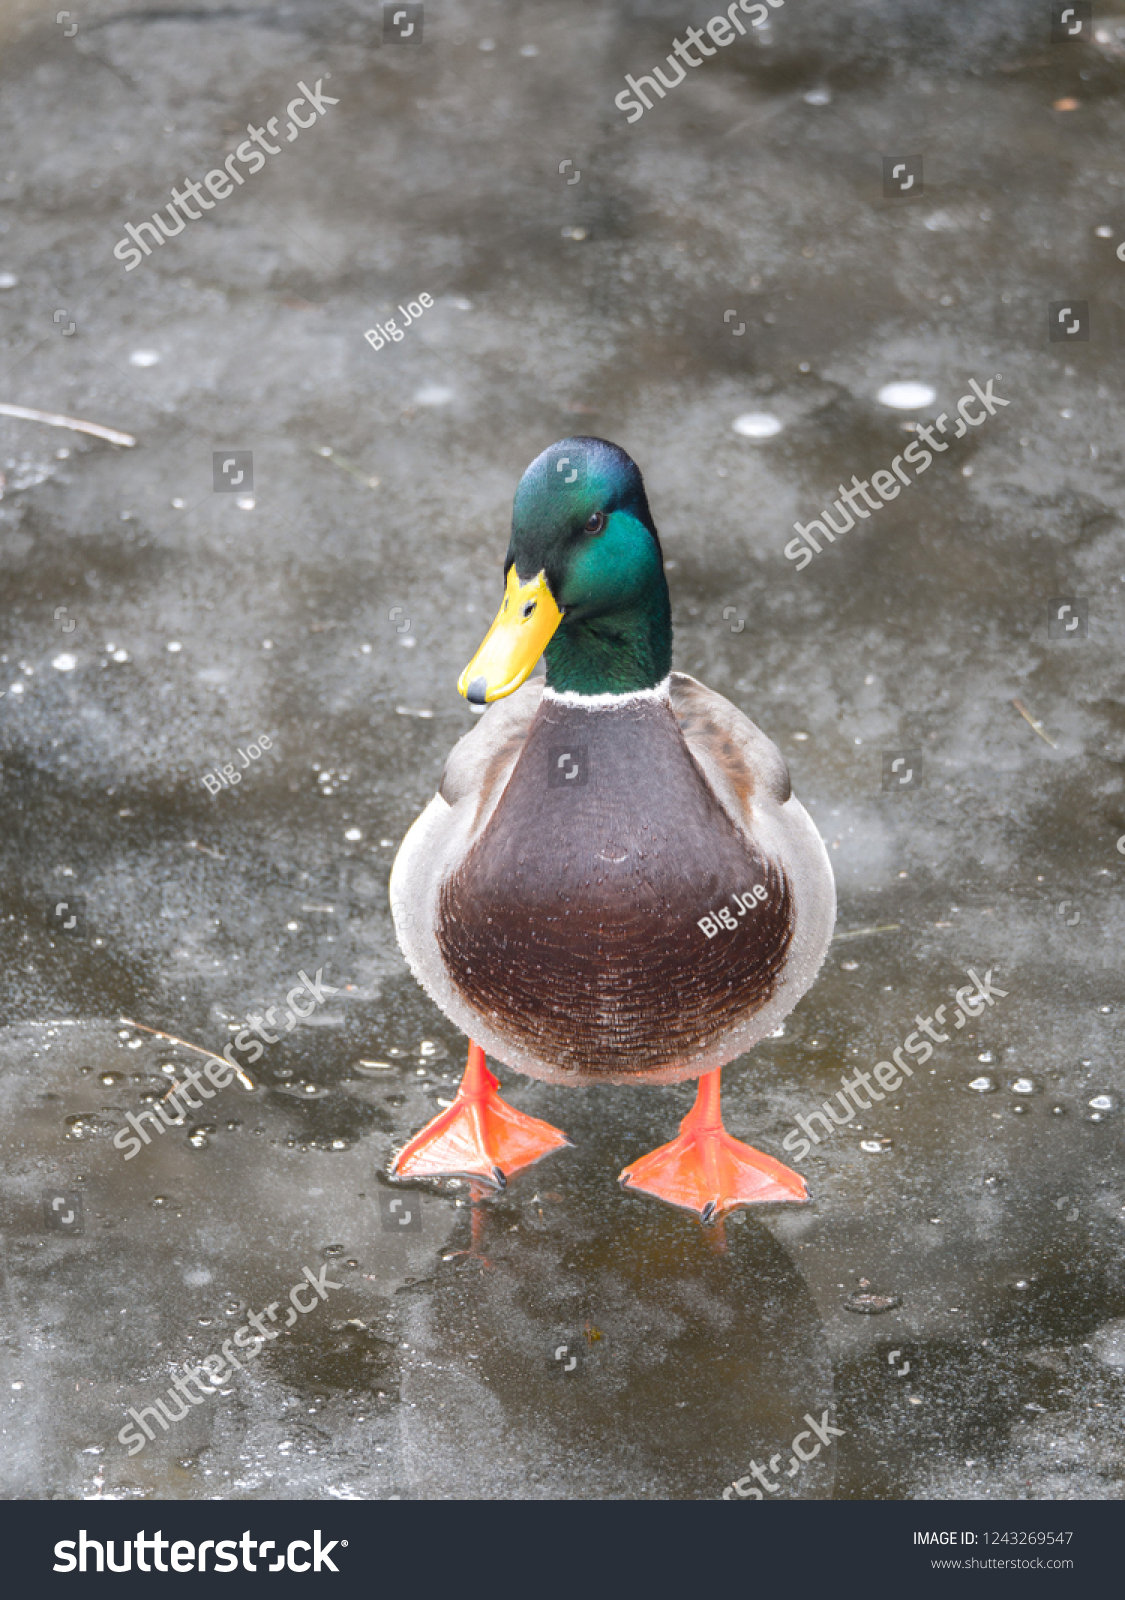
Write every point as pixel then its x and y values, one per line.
pixel 990 1221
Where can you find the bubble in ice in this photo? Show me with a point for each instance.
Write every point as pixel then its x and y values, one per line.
pixel 144 358
pixel 433 394
pixel 757 425
pixel 1022 1086
pixel 982 1085
pixel 88 1125
pixel 64 663
pixel 906 396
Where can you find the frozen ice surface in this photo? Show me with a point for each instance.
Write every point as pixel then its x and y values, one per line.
pixel 953 1294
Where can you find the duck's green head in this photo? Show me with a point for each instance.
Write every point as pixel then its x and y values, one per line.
pixel 584 581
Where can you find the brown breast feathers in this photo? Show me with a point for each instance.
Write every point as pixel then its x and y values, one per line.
pixel 574 922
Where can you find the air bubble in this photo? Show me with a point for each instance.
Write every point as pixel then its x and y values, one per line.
pixel 906 396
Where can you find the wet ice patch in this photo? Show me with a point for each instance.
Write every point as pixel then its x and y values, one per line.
pixel 433 394
pixel 1109 1343
pixel 144 358
pixel 8 280
pixel 757 425
pixel 906 396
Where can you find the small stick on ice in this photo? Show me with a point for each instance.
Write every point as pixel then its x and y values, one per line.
pixel 244 1080
pixel 54 420
pixel 1026 715
pixel 862 933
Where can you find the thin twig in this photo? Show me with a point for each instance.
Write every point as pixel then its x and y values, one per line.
pixel 192 844
pixel 245 1081
pixel 56 421
pixel 1026 715
pixel 338 460
pixel 861 933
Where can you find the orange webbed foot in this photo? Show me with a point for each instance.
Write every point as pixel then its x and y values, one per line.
pixel 479 1136
pixel 705 1169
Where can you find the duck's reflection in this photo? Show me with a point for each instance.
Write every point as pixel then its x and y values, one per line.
pixel 614 1349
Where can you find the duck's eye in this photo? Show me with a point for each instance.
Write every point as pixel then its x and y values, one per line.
pixel 596 523
pixel 528 609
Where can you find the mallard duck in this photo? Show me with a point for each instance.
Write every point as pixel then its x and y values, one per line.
pixel 613 883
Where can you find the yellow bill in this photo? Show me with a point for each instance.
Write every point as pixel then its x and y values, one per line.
pixel 515 641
